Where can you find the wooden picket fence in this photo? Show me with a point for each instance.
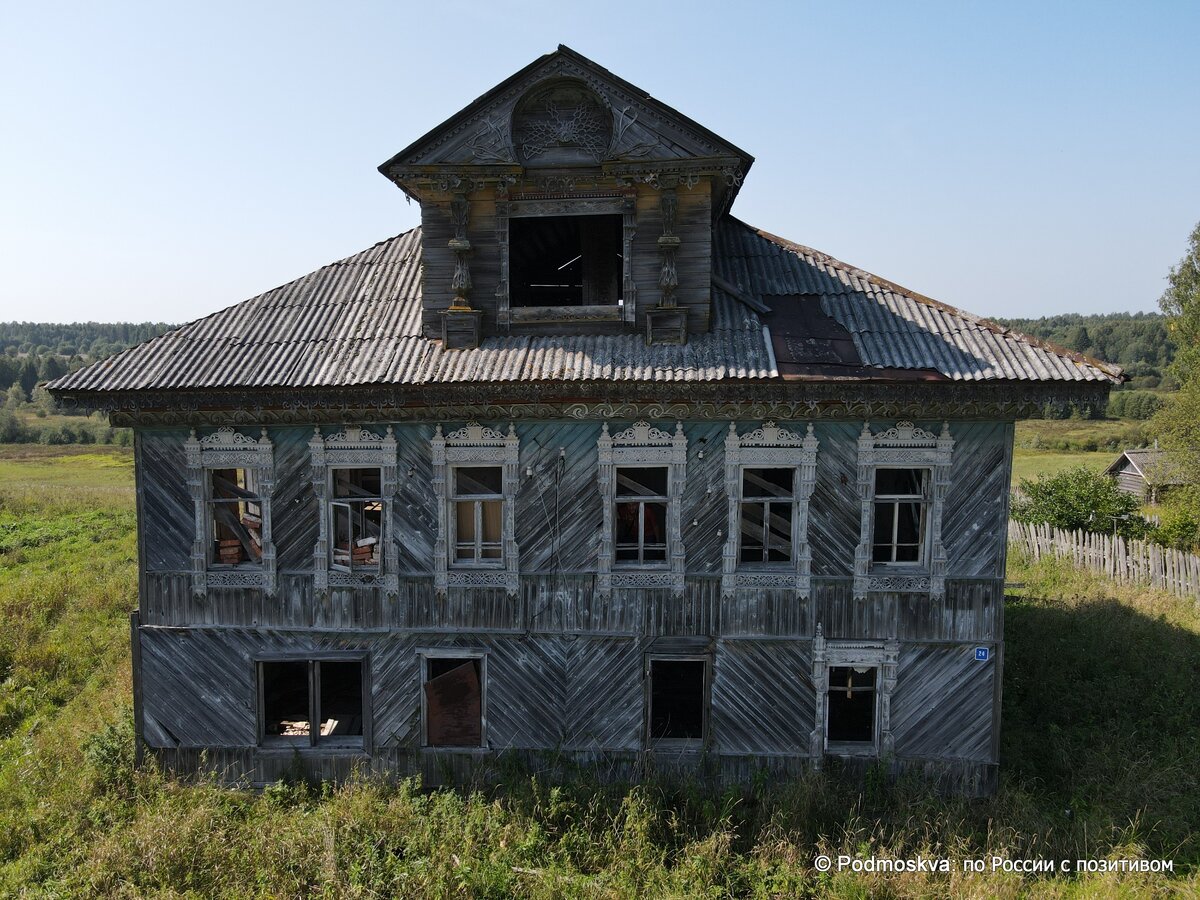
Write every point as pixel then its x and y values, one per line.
pixel 1139 562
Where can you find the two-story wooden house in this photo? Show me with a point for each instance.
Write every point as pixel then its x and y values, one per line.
pixel 583 465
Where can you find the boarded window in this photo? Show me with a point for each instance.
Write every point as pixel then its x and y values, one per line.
pixel 766 515
pixel 565 260
pixel 453 702
pixel 850 714
pixel 310 702
pixel 356 513
pixel 901 498
pixel 640 516
pixel 235 516
pixel 678 695
pixel 478 497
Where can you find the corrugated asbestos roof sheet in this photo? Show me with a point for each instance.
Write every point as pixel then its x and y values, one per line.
pixel 357 322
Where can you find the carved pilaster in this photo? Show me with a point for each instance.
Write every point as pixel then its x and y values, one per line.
pixel 820 678
pixel 629 230
pixel 941 486
pixel 891 659
pixel 668 244
pixel 503 290
pixel 604 484
pixel 438 446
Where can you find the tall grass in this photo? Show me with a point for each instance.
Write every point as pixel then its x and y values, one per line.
pixel 1101 749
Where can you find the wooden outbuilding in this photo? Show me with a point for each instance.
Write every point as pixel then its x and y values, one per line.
pixel 583 465
pixel 1148 472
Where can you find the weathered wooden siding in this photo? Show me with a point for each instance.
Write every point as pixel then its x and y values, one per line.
pixel 763 701
pixel 942 706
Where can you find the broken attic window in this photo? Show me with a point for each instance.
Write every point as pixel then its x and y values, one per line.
pixel 357 519
pixel 313 702
pixel 565 260
pixel 677 699
pixel 235 511
pixel 453 702
pixel 766 515
pixel 851 705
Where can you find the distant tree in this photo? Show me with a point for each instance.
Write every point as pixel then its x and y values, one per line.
pixel 1080 500
pixel 29 376
pixel 44 402
pixel 16 396
pixel 52 367
pixel 1181 301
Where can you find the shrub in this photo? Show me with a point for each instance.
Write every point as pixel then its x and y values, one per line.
pixel 1079 499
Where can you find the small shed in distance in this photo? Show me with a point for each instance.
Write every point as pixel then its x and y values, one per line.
pixel 1147 472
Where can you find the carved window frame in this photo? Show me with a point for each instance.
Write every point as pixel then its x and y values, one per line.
pixel 881 655
pixel 641 444
pixel 903 446
pixel 769 447
pixel 622 204
pixel 227 448
pixel 353 448
pixel 475 445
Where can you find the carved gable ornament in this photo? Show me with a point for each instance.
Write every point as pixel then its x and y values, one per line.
pixel 563 109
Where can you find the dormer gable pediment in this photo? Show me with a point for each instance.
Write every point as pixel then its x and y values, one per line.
pixel 563 110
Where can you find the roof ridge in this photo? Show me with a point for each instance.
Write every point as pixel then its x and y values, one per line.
pixel 877 280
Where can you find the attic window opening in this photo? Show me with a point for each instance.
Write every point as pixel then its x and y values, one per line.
pixel 235 513
pixel 566 260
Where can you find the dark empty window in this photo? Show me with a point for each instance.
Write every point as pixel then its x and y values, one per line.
pixel 235 513
pixel 453 702
pixel 357 518
pixel 565 260
pixel 677 699
pixel 850 715
pixel 766 515
pixel 311 702
pixel 478 497
pixel 641 514
pixel 901 497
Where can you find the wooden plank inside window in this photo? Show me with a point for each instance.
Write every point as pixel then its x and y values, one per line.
pixel 454 703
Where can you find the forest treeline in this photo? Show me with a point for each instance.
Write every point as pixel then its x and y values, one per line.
pixel 34 352
pixel 1140 343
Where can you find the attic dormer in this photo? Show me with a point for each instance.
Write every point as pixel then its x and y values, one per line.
pixel 567 201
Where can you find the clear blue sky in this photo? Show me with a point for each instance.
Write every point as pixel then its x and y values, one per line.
pixel 165 160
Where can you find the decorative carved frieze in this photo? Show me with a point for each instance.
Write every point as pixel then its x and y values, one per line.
pixel 493 143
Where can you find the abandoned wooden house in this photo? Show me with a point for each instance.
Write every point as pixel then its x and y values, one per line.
pixel 582 465
pixel 1149 472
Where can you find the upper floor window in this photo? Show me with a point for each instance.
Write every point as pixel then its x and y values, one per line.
pixel 900 521
pixel 354 479
pixel 230 477
pixel 642 502
pixel 769 476
pixel 904 474
pixel 478 499
pixel 642 472
pixel 235 518
pixel 475 481
pixel 357 519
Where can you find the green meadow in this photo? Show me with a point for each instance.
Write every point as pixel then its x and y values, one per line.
pixel 1100 761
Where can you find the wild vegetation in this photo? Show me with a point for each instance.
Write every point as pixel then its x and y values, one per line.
pixel 1100 759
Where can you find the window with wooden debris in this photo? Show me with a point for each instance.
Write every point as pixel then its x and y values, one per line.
pixel 235 518
pixel 313 702
pixel 899 516
pixel 453 700
pixel 766 520
pixel 640 515
pixel 356 519
pixel 851 708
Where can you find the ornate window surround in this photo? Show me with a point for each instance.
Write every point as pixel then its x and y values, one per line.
pixel 353 447
pixel 641 444
pixel 770 447
pixel 904 445
pixel 475 445
pixel 883 655
pixel 601 203
pixel 226 448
